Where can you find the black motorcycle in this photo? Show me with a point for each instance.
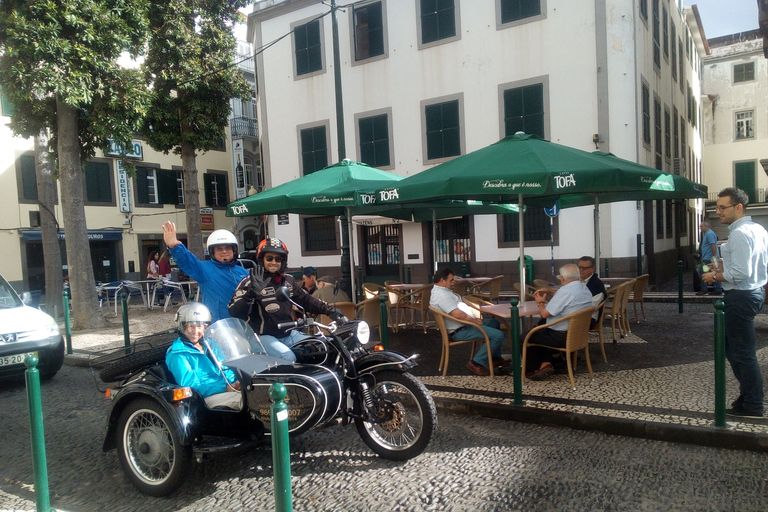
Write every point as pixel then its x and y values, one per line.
pixel 157 426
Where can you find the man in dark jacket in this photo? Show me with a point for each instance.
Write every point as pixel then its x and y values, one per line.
pixel 255 300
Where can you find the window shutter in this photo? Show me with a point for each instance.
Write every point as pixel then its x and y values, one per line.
pixel 166 185
pixel 142 194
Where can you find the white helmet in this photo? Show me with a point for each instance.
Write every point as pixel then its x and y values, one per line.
pixel 192 312
pixel 221 237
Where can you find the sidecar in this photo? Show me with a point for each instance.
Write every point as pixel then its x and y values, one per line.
pixel 157 426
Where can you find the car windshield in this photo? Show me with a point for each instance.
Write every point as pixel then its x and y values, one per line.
pixel 8 297
pixel 233 338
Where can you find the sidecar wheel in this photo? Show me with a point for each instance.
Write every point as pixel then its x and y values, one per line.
pixel 408 417
pixel 150 450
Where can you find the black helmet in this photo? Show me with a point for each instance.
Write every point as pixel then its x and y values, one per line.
pixel 273 245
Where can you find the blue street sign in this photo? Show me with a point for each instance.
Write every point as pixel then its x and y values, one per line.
pixel 552 212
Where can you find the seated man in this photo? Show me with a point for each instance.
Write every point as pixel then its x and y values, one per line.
pixel 571 297
pixel 191 362
pixel 309 280
pixel 325 291
pixel 445 300
pixel 594 284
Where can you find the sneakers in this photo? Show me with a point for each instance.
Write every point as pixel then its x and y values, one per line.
pixel 740 412
pixel 542 373
pixel 478 369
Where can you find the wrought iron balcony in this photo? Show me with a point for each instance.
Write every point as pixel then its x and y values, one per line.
pixel 244 127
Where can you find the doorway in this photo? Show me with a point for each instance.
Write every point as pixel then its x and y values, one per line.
pixel 382 252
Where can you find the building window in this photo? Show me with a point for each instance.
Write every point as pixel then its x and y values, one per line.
pixel 665 30
pixel 667 135
pixel 644 9
pixel 438 20
pixel 743 72
pixel 443 129
pixel 656 35
pixel 368 31
pixel 646 114
pixel 659 219
pixel 308 47
pixel 680 63
pixel 28 178
pixel 314 149
pixel 515 10
pixel 673 61
pixel 146 185
pixel 669 218
pixel 320 234
pixel 535 226
pixel 524 110
pixel 180 188
pixel 676 133
pixel 216 191
pixel 98 184
pixel 155 187
pixel 745 127
pixel 657 142
pixel 683 141
pixel 374 140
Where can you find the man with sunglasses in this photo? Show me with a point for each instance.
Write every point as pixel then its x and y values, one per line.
pixel 255 300
pixel 593 283
pixel 743 274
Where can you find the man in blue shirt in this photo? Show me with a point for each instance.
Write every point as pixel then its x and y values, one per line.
pixel 708 250
pixel 743 274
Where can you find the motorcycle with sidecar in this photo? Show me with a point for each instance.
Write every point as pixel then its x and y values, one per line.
pixel 158 427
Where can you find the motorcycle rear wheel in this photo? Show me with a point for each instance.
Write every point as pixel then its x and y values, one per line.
pixel 407 413
pixel 150 449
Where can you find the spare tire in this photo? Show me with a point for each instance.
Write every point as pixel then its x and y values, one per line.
pixel 132 362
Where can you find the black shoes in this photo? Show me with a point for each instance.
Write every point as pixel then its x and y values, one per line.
pixel 740 412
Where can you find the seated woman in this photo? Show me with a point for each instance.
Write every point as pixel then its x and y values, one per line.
pixel 190 361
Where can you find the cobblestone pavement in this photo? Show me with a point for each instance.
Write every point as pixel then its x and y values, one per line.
pixel 473 464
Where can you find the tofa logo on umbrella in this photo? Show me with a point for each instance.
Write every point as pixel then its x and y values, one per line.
pixel 388 195
pixel 239 209
pixel 568 180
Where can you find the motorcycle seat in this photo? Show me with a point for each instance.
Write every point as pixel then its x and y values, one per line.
pixel 161 371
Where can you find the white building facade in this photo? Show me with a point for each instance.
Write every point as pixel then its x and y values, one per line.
pixel 426 81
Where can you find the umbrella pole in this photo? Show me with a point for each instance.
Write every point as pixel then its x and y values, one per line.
pixel 350 230
pixel 596 216
pixel 521 236
pixel 434 238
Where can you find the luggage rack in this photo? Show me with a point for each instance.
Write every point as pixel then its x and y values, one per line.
pixel 102 358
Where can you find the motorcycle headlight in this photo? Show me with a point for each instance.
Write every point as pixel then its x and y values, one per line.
pixel 363 332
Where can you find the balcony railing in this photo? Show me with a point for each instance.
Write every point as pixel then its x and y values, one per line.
pixel 761 192
pixel 244 127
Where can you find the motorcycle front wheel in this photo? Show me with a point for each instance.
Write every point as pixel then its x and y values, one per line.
pixel 150 449
pixel 406 417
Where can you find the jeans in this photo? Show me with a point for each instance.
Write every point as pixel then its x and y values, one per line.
pixel 495 336
pixel 741 306
pixel 280 347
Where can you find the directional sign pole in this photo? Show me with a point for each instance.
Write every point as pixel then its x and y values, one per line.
pixel 552 213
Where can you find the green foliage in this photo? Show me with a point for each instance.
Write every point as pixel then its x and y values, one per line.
pixel 190 72
pixel 68 49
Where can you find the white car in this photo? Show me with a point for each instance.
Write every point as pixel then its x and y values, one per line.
pixel 24 330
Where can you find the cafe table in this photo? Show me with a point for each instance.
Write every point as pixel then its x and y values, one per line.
pixel 467 283
pixel 527 309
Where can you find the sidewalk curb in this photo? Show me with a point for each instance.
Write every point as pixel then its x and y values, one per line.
pixel 703 436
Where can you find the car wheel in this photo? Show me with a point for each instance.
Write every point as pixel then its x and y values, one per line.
pixel 54 365
pixel 150 448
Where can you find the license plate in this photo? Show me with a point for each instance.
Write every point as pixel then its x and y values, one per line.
pixel 14 359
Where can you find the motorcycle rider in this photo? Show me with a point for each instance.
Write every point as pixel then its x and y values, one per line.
pixel 191 361
pixel 255 300
pixel 217 277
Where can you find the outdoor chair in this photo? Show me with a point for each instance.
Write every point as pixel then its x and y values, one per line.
pixel 372 290
pixel 476 302
pixel 542 283
pixel 348 308
pixel 528 291
pixel 171 291
pixel 369 311
pixel 577 338
pixel 396 302
pixel 637 296
pixel 629 286
pixel 448 342
pixel 613 309
pixel 416 301
pixel 598 328
pixel 488 290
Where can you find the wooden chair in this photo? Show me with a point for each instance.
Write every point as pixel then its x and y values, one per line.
pixel 598 328
pixel 412 302
pixel 528 291
pixel 475 303
pixel 488 290
pixel 577 339
pixel 348 308
pixel 617 296
pixel 372 290
pixel 629 286
pixel 369 311
pixel 448 342
pixel 542 283
pixel 637 295
pixel 396 301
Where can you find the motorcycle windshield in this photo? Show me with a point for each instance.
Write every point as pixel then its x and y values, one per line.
pixel 233 339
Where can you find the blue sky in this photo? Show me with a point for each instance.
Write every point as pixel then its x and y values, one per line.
pixel 724 17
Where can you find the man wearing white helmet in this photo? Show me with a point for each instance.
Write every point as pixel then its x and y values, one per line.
pixel 217 277
pixel 191 360
pixel 255 300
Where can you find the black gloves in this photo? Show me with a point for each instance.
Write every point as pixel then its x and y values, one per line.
pixel 337 316
pixel 258 281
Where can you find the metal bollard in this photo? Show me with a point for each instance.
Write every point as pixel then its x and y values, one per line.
pixel 720 364
pixel 281 449
pixel 680 286
pixel 35 405
pixel 408 274
pixel 126 332
pixel 384 321
pixel 514 326
pixel 67 325
pixel 607 268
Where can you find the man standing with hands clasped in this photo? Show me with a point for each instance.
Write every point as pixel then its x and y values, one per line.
pixel 743 274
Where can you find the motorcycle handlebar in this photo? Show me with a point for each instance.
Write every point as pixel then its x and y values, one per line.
pixel 290 325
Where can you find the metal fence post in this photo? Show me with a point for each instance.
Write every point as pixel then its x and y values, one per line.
pixel 384 323
pixel 281 449
pixel 680 286
pixel 35 405
pixel 67 324
pixel 514 326
pixel 720 364
pixel 126 332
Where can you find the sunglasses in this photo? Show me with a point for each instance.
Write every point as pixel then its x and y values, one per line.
pixel 585 268
pixel 271 258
